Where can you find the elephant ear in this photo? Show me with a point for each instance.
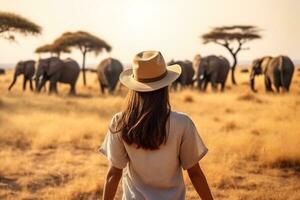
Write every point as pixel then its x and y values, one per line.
pixel 264 62
pixel 53 66
pixel 196 61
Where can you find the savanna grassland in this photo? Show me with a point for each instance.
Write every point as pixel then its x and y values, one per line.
pixel 48 143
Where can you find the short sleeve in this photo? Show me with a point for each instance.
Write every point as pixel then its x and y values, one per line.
pixel 192 148
pixel 113 147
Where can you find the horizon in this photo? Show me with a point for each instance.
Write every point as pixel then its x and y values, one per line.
pixel 135 24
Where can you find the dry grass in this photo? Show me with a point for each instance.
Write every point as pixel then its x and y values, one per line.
pixel 188 98
pixel 48 144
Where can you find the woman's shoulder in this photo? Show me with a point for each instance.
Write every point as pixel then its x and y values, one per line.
pixel 117 116
pixel 180 117
pixel 115 120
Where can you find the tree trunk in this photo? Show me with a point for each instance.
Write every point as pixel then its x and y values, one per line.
pixel 83 68
pixel 234 55
pixel 233 70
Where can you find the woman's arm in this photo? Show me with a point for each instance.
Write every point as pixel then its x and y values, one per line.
pixel 111 184
pixel 199 182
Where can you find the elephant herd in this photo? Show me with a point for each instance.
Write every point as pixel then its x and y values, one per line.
pixel 210 69
pixel 55 70
pixel 277 71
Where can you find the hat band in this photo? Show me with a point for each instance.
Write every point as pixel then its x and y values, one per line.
pixel 148 80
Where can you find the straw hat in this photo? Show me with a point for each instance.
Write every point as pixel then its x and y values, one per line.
pixel 149 72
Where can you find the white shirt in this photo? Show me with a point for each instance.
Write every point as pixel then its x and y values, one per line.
pixel 156 174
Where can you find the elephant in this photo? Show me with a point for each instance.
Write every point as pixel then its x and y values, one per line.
pixel 108 72
pixel 187 73
pixel 277 70
pixel 213 69
pixel 56 70
pixel 27 68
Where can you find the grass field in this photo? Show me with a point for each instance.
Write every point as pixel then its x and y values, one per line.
pixel 48 143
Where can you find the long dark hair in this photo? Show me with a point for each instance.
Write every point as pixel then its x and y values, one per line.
pixel 144 119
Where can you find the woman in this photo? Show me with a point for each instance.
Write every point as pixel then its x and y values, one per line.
pixel 151 142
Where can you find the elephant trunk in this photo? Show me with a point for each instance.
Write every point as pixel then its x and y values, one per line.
pixel 39 83
pixel 200 83
pixel 252 82
pixel 13 82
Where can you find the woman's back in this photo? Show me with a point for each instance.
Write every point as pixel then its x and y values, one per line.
pixel 149 172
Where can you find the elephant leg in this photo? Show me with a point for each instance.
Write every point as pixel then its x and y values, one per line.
pixel 102 89
pixel 110 89
pixel 13 82
pixel 115 85
pixel 199 85
pixel 31 85
pixel 268 85
pixel 214 83
pixel 276 80
pixel 214 86
pixel 72 90
pixel 50 88
pixel 24 83
pixel 222 87
pixel 277 86
pixel 53 86
pixel 286 79
pixel 205 85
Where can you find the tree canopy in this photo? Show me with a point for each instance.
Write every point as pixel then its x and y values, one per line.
pixel 232 38
pixel 49 48
pixel 226 34
pixel 12 23
pixel 85 42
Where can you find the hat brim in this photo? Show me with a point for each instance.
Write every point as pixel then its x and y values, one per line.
pixel 126 78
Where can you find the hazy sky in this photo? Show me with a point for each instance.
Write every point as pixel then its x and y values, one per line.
pixel 171 26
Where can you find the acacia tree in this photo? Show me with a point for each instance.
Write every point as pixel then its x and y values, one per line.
pixel 11 23
pixel 83 41
pixel 233 39
pixel 50 48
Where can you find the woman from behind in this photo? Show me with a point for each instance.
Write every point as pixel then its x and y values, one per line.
pixel 148 144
